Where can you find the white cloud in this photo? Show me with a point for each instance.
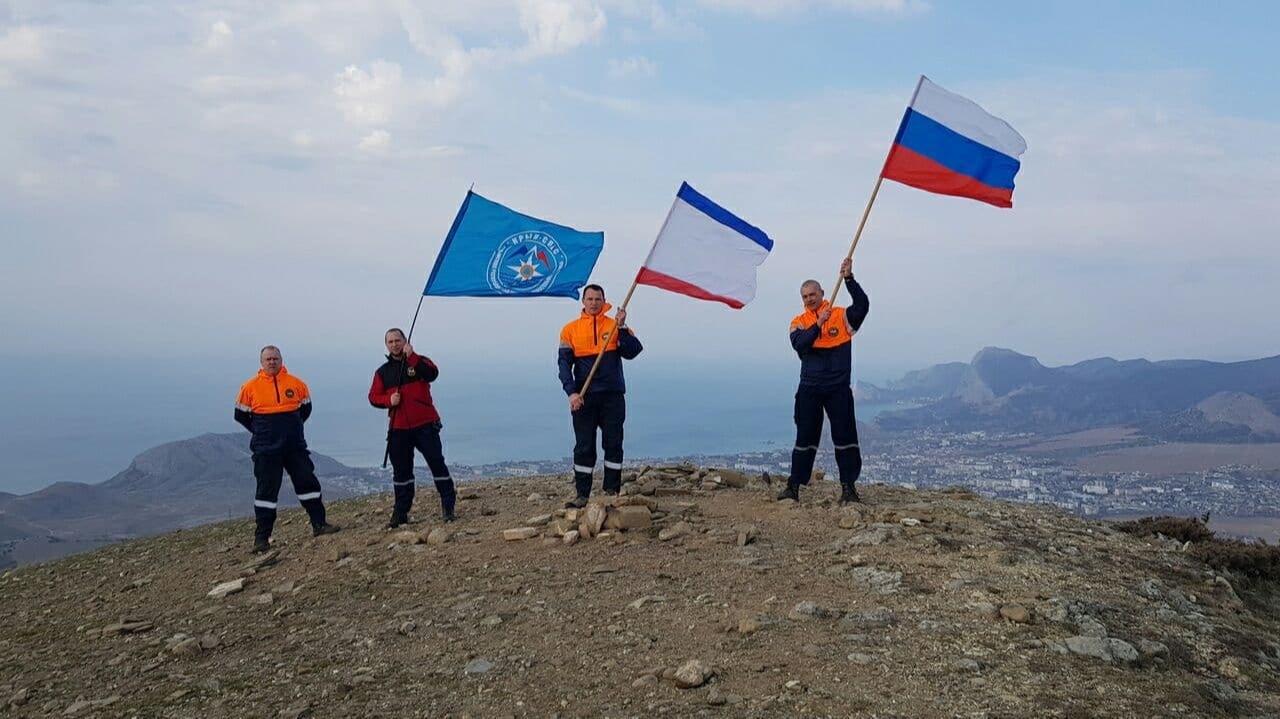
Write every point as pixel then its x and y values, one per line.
pixel 239 88
pixel 554 27
pixel 219 37
pixel 861 7
pixel 609 102
pixel 22 47
pixel 660 21
pixel 370 97
pixel 376 142
pixel 634 66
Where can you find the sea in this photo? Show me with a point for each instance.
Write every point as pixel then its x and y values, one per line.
pixel 84 420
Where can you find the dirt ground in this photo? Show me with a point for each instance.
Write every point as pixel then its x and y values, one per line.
pixel 914 604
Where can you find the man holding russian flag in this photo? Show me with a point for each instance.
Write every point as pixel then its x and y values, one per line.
pixel 822 336
pixel 946 144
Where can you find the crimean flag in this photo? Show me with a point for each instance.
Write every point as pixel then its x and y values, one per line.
pixel 705 251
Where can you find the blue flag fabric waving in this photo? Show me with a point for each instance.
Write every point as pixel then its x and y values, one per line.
pixel 494 251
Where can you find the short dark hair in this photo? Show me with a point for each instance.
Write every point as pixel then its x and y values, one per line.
pixel 393 329
pixel 597 288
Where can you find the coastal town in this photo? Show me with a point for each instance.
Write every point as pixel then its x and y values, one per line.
pixel 984 462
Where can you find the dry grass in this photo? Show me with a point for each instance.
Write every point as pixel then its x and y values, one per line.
pixel 1183 529
pixel 1254 561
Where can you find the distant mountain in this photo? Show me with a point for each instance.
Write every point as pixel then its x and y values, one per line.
pixel 171 486
pixel 936 381
pixel 1004 390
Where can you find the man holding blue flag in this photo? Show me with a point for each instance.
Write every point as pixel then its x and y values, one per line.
pixel 604 405
pixel 402 386
pixel 490 251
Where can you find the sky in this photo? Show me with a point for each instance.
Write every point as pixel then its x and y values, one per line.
pixel 182 181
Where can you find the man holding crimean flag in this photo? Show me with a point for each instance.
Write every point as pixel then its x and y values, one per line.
pixel 596 344
pixel 703 251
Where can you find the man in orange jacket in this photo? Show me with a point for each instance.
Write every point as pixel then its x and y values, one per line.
pixel 604 407
pixel 272 406
pixel 822 336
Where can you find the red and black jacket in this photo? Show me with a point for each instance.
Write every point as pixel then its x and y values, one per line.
pixel 413 379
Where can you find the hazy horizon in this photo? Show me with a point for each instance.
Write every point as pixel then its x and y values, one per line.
pixel 107 411
pixel 491 414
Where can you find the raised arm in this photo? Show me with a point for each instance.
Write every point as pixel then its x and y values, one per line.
pixel 628 344
pixel 858 307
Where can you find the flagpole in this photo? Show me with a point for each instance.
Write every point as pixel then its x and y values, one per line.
pixel 391 417
pixel 857 235
pixel 583 392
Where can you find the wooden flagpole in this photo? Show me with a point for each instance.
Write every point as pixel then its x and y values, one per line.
pixel 590 375
pixel 835 290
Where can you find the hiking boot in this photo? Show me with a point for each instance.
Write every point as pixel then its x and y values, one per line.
pixel 791 491
pixel 849 495
pixel 577 502
pixel 325 528
pixel 610 492
pixel 262 545
pixel 448 515
pixel 397 519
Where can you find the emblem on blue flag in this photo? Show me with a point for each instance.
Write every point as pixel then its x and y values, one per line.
pixel 494 251
pixel 526 263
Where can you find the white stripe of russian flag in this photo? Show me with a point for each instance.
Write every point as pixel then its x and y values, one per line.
pixel 705 251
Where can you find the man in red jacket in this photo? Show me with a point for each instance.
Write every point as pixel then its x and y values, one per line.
pixel 402 385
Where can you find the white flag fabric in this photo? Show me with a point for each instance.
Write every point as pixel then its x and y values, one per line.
pixel 705 251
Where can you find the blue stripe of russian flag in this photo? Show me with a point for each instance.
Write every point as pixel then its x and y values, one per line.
pixel 924 136
pixel 706 206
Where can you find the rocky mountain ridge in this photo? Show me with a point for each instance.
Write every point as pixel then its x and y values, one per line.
pixel 1176 400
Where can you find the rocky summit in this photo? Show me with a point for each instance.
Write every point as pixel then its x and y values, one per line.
pixel 692 594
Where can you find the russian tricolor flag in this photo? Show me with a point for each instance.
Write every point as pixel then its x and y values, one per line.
pixel 705 251
pixel 950 145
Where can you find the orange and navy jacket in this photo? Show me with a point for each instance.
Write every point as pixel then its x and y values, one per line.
pixel 414 382
pixel 273 409
pixel 826 353
pixel 580 343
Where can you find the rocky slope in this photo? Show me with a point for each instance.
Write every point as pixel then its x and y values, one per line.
pixel 716 601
